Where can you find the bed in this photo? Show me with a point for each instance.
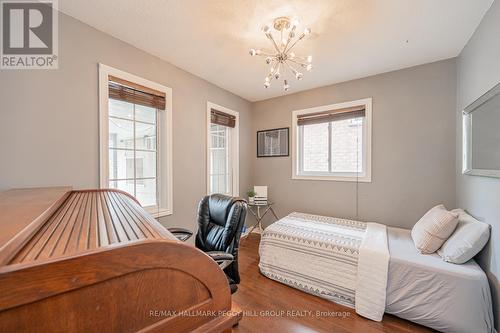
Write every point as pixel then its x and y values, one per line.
pixel 429 291
pixel 373 269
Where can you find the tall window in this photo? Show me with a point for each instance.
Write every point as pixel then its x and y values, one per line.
pixel 133 153
pixel 220 163
pixel 333 142
pixel 222 151
pixel 136 139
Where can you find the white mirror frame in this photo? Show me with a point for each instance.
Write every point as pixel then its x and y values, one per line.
pixel 467 168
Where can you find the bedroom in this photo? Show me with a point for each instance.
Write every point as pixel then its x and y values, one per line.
pixel 402 74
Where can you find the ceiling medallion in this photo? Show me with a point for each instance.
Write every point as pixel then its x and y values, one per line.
pixel 282 59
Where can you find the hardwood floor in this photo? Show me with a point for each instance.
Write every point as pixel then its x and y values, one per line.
pixel 270 306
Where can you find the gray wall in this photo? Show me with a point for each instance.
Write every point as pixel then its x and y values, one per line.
pixel 49 119
pixel 478 71
pixel 413 147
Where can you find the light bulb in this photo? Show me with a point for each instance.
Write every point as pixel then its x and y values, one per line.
pixel 291 34
pixel 253 52
pixel 309 67
pixel 295 23
pixel 307 31
pixel 277 75
pixel 267 81
pixel 268 60
pixel 286 86
pixel 292 55
pixel 309 59
pixel 265 29
pixel 299 75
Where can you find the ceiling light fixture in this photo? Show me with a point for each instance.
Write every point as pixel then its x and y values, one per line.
pixel 282 59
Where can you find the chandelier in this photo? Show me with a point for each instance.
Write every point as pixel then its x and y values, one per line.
pixel 282 59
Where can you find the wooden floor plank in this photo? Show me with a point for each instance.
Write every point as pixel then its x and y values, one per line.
pixel 268 305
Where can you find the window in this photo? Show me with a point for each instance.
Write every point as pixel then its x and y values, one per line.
pixel 136 138
pixel 333 142
pixel 222 150
pixel 220 164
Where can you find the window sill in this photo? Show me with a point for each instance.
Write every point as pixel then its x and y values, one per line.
pixel 158 213
pixel 363 179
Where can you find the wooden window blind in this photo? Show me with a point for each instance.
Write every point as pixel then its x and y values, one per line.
pixel 222 118
pixel 127 91
pixel 333 115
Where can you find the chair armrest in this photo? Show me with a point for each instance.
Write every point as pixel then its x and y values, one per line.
pixel 181 234
pixel 223 259
pixel 220 255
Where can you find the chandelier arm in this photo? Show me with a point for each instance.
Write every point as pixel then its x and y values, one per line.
pixel 277 71
pixel 288 39
pixel 274 43
pixel 273 68
pixel 298 62
pixel 281 38
pixel 293 70
pixel 287 43
pixel 285 64
pixel 291 46
pixel 300 58
pixel 294 43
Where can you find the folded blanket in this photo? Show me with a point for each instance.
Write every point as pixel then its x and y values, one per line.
pixel 373 262
pixel 322 256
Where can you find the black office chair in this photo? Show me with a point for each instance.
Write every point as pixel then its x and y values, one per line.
pixel 220 221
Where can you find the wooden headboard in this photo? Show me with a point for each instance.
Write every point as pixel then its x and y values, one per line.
pixel 95 261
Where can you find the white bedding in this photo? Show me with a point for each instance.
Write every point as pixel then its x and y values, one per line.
pixel 373 261
pixel 341 260
pixel 429 291
pixel 344 261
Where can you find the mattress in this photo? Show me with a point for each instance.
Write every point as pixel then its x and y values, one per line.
pixel 429 291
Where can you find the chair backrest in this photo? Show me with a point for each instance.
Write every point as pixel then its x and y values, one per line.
pixel 220 221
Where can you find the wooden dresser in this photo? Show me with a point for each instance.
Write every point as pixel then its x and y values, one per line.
pixel 95 261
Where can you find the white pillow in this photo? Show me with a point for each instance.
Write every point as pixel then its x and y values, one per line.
pixel 468 239
pixel 433 229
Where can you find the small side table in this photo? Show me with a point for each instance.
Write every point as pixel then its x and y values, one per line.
pixel 255 209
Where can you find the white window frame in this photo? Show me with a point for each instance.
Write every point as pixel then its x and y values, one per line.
pixel 365 176
pixel 234 148
pixel 164 123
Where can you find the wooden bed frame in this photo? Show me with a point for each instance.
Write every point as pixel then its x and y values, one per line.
pixel 95 261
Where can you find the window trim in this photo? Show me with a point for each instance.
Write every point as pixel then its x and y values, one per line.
pixel 235 161
pixel 165 173
pixel 367 143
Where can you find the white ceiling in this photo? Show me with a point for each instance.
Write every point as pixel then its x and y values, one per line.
pixel 350 39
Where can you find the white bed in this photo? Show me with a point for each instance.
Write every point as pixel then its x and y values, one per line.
pixel 429 291
pixel 334 259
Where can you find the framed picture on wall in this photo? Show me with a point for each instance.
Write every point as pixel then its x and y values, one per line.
pixel 273 142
